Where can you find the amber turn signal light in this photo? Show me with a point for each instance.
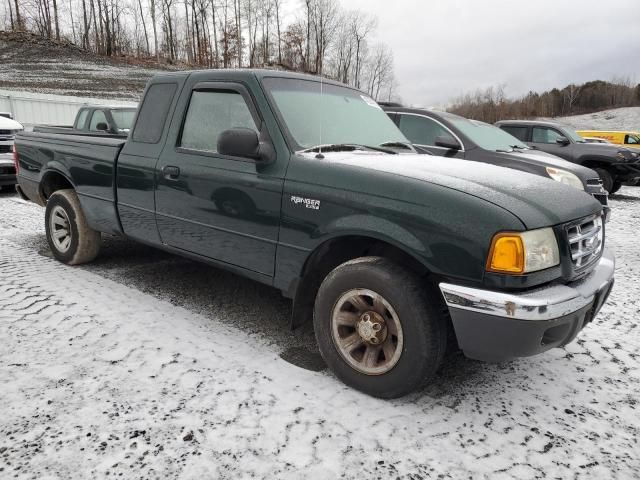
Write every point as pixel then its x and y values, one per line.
pixel 506 254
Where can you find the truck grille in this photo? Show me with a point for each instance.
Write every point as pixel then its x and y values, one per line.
pixel 5 149
pixel 10 170
pixel 586 240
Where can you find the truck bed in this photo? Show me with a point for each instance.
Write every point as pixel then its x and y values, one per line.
pixel 69 130
pixel 87 162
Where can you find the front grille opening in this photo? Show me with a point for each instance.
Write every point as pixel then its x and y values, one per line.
pixel 586 240
pixel 594 182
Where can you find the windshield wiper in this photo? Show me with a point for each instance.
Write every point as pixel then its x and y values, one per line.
pixel 519 147
pixel 392 144
pixel 347 147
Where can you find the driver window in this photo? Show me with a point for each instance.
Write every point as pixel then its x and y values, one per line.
pixel 545 135
pixel 210 113
pixel 97 117
pixel 631 140
pixel 421 130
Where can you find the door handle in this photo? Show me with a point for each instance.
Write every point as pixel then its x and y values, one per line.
pixel 171 172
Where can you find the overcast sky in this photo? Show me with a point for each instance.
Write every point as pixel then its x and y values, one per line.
pixel 444 48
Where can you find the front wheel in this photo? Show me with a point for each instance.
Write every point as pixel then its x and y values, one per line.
pixel 607 179
pixel 71 239
pixel 616 186
pixel 379 328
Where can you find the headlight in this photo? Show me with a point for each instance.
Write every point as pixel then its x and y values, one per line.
pixel 523 252
pixel 565 177
pixel 625 155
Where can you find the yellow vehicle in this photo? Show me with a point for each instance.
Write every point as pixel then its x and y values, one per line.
pixel 628 139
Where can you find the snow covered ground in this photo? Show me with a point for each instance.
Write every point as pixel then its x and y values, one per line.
pixel 627 118
pixel 145 365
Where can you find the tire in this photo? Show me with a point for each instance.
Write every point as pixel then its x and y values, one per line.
pixel 70 238
pixel 616 186
pixel 607 179
pixel 410 357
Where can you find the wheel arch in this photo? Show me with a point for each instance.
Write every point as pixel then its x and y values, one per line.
pixel 341 248
pixel 53 180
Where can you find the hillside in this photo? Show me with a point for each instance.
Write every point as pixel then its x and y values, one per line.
pixel 627 118
pixel 34 64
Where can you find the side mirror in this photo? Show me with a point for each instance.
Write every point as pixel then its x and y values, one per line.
pixel 447 141
pixel 240 142
pixel 564 141
pixel 102 126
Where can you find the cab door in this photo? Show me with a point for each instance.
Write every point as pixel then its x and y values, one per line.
pixel 220 207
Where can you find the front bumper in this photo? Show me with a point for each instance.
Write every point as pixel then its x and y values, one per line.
pixel 628 171
pixel 497 326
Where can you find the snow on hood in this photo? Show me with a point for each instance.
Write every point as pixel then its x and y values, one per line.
pixel 535 200
pixel 8 124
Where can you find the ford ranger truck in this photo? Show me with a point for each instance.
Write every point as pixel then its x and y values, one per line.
pixel 298 183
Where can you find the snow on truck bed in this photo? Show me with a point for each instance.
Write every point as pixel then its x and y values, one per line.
pixel 146 365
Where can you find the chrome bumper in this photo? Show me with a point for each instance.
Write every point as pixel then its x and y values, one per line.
pixel 544 303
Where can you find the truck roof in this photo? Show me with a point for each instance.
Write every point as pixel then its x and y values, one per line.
pixel 530 122
pixel 240 73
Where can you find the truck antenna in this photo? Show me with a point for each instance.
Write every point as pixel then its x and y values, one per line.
pixel 320 156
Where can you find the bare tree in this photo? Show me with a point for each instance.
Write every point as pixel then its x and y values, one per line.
pixel 362 25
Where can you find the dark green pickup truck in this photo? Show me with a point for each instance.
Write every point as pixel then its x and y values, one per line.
pixel 309 187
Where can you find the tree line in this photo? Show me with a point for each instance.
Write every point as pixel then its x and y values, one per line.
pixel 320 38
pixel 491 104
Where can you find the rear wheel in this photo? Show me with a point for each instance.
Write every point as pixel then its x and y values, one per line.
pixel 379 328
pixel 607 179
pixel 71 239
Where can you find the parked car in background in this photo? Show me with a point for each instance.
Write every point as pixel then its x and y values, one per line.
pixel 450 135
pixel 8 130
pixel 615 164
pixel 289 180
pixel 596 140
pixel 96 121
pixel 628 139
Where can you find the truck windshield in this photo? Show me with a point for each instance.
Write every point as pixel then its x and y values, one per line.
pixel 123 118
pixel 572 134
pixel 487 136
pixel 333 115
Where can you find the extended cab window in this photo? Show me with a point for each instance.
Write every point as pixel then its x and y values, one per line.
pixel 153 112
pixel 82 118
pixel 97 117
pixel 210 113
pixel 545 135
pixel 519 132
pixel 421 130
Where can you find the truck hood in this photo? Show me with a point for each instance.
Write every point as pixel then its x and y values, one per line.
pixel 544 159
pixel 537 201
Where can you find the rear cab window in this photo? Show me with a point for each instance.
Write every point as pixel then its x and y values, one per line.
pixel 519 132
